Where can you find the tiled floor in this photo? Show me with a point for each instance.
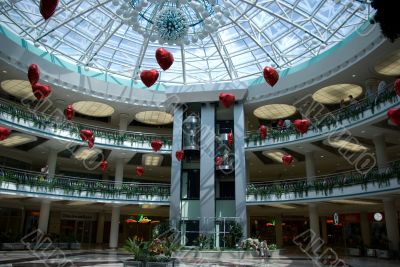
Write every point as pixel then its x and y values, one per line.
pixel 102 258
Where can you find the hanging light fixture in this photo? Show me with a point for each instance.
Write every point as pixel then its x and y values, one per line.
pixel 173 21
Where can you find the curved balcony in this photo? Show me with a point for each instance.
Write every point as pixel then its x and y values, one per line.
pixel 366 110
pixel 41 124
pixel 338 185
pixel 35 184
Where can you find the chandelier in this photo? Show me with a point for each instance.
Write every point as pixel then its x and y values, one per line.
pixel 173 21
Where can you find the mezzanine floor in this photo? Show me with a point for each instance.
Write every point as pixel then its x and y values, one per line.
pixel 105 258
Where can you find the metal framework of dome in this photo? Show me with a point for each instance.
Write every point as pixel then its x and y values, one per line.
pixel 279 33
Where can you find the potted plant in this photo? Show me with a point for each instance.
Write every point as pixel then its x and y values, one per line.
pixel 157 252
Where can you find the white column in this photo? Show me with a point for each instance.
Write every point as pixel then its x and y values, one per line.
pixel 51 162
pixel 279 231
pixel 365 229
pixel 310 166
pixel 207 168
pixel 324 230
pixel 176 172
pixel 392 225
pixel 123 121
pixel 100 228
pixel 372 85
pixel 119 171
pixel 240 166
pixel 315 241
pixel 44 216
pixel 380 150
pixel 114 231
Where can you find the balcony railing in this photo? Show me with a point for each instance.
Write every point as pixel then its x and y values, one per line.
pixel 24 118
pixel 36 183
pixel 326 122
pixel 327 185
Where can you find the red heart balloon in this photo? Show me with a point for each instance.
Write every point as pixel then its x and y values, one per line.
pixel 91 142
pixel 164 58
pixel 218 161
pixel 139 170
pixel 4 133
pixel 149 77
pixel 287 159
pixel 271 76
pixel 226 100
pixel 47 8
pixel 230 139
pixel 394 115
pixel 263 131
pixel 33 74
pixel 69 112
pixel 302 125
pixel 86 134
pixel 156 145
pixel 180 154
pixel 104 165
pixel 397 86
pixel 41 91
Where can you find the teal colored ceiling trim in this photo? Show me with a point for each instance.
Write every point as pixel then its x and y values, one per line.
pixel 160 86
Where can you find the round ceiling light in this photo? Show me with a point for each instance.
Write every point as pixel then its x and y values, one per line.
pixel 18 88
pixel 390 66
pixel 92 108
pixel 275 111
pixel 154 117
pixel 333 94
pixel 346 145
pixel 17 139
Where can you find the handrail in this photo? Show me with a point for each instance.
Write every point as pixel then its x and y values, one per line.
pixel 326 183
pixel 90 186
pixel 43 120
pixel 330 119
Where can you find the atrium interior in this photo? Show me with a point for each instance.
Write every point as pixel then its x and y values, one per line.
pixel 199 133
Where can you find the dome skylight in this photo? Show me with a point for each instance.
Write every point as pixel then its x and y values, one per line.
pixel 249 36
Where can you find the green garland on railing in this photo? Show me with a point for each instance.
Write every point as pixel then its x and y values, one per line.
pixel 330 120
pixel 43 121
pixel 327 184
pixel 72 187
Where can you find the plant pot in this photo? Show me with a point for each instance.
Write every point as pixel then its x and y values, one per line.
pixel 383 254
pixel 133 263
pixel 160 264
pixel 354 251
pixel 371 252
pixel 75 246
pixel 12 246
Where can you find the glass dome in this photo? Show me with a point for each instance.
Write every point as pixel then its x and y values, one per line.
pixel 251 35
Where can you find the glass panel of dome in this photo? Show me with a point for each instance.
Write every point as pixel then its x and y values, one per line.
pixel 277 26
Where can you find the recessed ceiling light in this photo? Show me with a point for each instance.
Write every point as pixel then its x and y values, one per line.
pixel 151 160
pixel 275 155
pixel 363 131
pixel 354 75
pixel 333 94
pixel 390 66
pixel 346 145
pixel 94 109
pixel 4 71
pixel 358 202
pixel 18 88
pixel 282 206
pixel 86 153
pixel 17 139
pixel 274 111
pixel 148 206
pixel 154 117
pixel 322 156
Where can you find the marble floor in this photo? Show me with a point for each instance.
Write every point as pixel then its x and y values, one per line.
pixel 104 258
